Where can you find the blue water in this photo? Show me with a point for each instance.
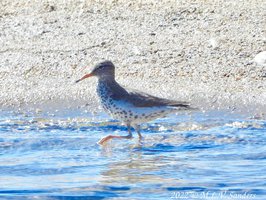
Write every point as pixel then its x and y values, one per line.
pixel 198 156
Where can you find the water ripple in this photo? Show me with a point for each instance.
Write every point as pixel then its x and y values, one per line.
pixel 58 157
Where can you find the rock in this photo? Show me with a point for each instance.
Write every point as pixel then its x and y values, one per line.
pixel 213 43
pixel 260 58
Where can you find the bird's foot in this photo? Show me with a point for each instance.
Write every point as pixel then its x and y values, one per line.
pixel 105 139
pixel 109 137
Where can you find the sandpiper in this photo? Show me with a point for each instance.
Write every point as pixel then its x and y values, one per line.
pixel 129 106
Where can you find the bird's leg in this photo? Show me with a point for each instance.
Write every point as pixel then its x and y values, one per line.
pixel 109 137
pixel 129 131
pixel 137 129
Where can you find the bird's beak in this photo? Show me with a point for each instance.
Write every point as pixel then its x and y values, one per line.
pixel 86 76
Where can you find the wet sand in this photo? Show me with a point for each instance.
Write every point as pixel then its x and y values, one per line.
pixel 200 51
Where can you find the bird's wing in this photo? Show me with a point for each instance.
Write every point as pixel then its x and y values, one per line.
pixel 141 99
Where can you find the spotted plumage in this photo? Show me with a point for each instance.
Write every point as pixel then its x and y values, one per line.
pixel 129 106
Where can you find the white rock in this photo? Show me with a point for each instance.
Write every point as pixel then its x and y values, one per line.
pixel 213 43
pixel 136 50
pixel 260 58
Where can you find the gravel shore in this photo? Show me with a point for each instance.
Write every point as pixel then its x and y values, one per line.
pixel 201 51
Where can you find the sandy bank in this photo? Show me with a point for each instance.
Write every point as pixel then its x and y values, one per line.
pixel 200 51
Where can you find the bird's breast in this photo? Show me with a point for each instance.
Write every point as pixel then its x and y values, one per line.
pixel 102 91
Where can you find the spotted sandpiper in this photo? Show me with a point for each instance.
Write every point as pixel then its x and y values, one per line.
pixel 126 105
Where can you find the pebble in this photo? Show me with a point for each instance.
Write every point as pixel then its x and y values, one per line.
pixel 214 43
pixel 260 58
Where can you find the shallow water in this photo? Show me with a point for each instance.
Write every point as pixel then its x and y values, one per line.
pixel 199 156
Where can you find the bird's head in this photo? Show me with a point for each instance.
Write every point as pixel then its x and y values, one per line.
pixel 104 70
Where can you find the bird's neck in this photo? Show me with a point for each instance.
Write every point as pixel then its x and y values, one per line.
pixel 109 88
pixel 105 87
pixel 107 82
